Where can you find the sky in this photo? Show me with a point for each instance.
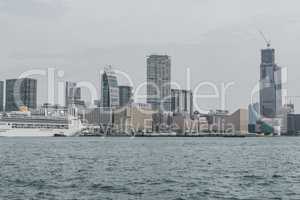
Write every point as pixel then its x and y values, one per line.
pixel 217 40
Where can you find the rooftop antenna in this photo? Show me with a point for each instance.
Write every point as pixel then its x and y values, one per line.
pixel 268 42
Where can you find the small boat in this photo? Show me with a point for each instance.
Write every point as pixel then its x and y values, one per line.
pixel 59 135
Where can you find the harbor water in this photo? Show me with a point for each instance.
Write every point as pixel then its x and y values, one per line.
pixel 150 168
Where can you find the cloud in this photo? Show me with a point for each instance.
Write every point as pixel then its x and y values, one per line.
pixel 33 8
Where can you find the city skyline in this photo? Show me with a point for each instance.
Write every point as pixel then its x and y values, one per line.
pixel 171 108
pixel 164 66
pixel 186 71
pixel 228 42
pixel 149 99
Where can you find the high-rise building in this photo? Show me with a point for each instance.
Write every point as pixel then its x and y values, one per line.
pixel 1 96
pixel 125 95
pixel 97 103
pixel 182 101
pixel 109 89
pixel 286 110
pixel 73 94
pixel 159 82
pixel 20 93
pixel 293 124
pixel 254 113
pixel 270 85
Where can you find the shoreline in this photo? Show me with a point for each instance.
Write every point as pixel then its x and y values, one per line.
pixel 191 136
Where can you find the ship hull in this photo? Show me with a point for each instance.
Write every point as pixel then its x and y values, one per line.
pixel 35 132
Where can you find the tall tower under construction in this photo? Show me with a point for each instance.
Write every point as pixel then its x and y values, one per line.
pixel 270 84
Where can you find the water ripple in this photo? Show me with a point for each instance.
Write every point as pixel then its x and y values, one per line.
pixel 149 168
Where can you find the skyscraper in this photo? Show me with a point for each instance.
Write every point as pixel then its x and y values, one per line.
pixel 73 94
pixel 19 93
pixel 125 94
pixel 159 82
pixel 109 89
pixel 270 85
pixel 1 96
pixel 182 101
pixel 253 112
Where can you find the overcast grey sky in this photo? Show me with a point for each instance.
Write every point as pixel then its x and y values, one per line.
pixel 217 39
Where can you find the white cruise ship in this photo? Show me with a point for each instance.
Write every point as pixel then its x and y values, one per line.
pixel 24 124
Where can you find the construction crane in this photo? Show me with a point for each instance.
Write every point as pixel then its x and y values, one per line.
pixel 268 42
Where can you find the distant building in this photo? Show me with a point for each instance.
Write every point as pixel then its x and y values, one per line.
pixel 182 101
pixel 269 126
pixel 216 120
pixel 293 124
pixel 1 96
pixel 270 84
pixel 143 106
pixel 162 122
pixel 109 89
pixel 290 108
pixel 52 110
pixel 254 115
pixel 285 111
pixel 99 116
pixel 97 103
pixel 72 94
pixel 125 95
pixel 133 119
pixel 183 124
pixel 237 122
pixel 159 82
pixel 20 93
pixel 221 121
pixel 200 122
